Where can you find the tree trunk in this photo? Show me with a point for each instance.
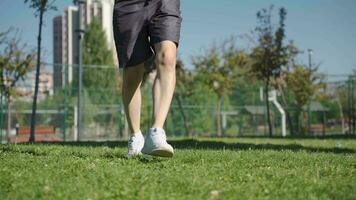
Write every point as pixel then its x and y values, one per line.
pixel 185 121
pixel 290 123
pixel 341 116
pixel 297 121
pixel 218 118
pixel 324 123
pixel 8 120
pixel 268 110
pixel 34 106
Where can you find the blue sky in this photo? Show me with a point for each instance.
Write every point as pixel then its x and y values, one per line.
pixel 326 26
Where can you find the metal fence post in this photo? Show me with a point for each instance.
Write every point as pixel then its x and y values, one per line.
pixel 65 101
pixel 349 105
pixel 1 122
pixel 353 104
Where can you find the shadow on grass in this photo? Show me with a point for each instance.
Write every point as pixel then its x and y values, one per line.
pixel 218 145
pixel 318 137
pixel 79 154
pixel 194 144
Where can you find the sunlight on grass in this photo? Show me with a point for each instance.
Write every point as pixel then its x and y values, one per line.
pixel 201 169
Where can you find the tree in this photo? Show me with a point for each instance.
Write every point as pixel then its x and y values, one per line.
pixel 270 54
pixel 303 83
pixel 100 76
pixel 281 83
pixel 40 7
pixel 184 89
pixel 344 98
pixel 218 68
pixel 14 66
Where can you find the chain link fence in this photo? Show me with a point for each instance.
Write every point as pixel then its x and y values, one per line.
pixel 102 115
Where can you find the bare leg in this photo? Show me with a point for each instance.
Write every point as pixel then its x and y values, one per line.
pixel 164 84
pixel 131 95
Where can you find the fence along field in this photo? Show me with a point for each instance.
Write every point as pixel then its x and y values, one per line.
pixel 332 111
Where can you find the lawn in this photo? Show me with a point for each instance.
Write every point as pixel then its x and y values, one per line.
pixel 239 168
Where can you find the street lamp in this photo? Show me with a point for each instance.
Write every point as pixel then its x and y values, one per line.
pixel 80 30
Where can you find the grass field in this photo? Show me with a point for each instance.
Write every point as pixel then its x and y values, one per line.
pixel 246 168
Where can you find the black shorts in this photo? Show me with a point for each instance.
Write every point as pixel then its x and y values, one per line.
pixel 138 24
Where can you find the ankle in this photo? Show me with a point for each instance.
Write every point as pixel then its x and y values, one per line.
pixel 136 133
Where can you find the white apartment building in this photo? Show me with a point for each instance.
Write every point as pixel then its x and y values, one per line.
pixel 65 36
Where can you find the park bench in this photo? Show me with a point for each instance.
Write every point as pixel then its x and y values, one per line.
pixel 317 128
pixel 42 134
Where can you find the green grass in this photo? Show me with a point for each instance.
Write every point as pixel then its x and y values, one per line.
pixel 246 168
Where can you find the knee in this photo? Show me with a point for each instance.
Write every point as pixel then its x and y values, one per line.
pixel 166 61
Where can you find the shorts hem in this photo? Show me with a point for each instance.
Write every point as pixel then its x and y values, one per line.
pixel 133 64
pixel 155 40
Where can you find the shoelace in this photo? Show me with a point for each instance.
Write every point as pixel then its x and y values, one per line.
pixel 159 134
pixel 130 143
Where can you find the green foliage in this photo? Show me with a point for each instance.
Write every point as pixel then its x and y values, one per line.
pixel 184 89
pixel 95 49
pixel 301 81
pixel 199 109
pixel 244 168
pixel 185 84
pixel 303 84
pixel 101 80
pixel 219 66
pixel 89 111
pixel 245 91
pixel 41 5
pixel 62 102
pixel 218 70
pixel 342 98
pixel 15 64
pixel 192 105
pixel 270 54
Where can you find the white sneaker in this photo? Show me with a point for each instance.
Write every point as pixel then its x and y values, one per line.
pixel 135 144
pixel 156 144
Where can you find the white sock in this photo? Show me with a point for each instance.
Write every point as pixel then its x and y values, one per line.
pixel 158 129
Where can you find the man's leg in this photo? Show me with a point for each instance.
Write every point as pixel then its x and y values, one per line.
pixel 163 89
pixel 164 83
pixel 132 79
